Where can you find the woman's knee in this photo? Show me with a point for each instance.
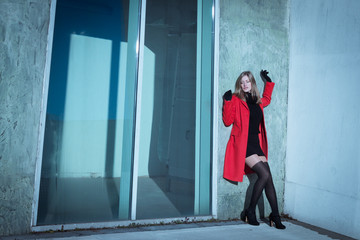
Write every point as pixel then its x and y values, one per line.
pixel 267 175
pixel 264 172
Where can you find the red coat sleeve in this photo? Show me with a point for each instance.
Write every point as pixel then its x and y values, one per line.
pixel 266 98
pixel 228 113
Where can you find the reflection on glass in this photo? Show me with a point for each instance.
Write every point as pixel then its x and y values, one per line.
pixel 87 157
pixel 81 168
pixel 168 111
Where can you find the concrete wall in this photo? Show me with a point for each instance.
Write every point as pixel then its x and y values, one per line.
pixel 23 39
pixel 253 36
pixel 323 149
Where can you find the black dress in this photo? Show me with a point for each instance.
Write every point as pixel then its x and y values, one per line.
pixel 256 115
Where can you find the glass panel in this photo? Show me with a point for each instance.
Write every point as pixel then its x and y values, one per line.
pixel 166 174
pixel 85 159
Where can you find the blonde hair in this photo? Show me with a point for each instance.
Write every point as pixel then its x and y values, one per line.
pixel 254 90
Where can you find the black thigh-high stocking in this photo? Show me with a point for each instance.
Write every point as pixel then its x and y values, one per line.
pixel 264 181
pixel 271 193
pixel 263 174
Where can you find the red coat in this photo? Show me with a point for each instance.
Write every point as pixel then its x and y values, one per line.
pixel 236 112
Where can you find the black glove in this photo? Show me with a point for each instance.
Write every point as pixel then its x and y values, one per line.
pixel 228 95
pixel 264 76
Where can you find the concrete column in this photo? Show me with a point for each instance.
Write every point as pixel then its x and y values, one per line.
pixel 23 40
pixel 254 36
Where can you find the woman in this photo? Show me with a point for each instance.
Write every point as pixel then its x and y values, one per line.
pixel 247 151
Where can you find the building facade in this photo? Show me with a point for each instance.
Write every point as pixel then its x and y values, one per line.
pixel 111 110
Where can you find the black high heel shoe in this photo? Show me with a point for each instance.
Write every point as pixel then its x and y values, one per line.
pixel 275 219
pixel 250 218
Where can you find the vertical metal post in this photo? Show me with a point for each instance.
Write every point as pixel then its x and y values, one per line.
pixel 125 193
pixel 138 110
pixel 204 71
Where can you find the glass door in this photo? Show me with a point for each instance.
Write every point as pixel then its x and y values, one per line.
pixel 175 126
pixel 88 144
pixel 95 92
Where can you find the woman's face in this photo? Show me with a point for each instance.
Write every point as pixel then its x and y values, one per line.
pixel 245 84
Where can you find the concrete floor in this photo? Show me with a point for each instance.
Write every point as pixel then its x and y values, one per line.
pixel 155 200
pixel 202 230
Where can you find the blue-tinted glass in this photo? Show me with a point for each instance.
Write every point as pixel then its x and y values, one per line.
pixel 83 144
pixel 167 171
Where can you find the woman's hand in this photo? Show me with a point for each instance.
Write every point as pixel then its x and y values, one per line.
pixel 264 76
pixel 228 95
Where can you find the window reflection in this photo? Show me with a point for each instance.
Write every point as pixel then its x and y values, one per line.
pixel 168 111
pixel 81 168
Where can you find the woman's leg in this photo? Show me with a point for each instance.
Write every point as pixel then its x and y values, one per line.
pixel 271 193
pixel 271 196
pixel 261 167
pixel 257 164
pixel 252 160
